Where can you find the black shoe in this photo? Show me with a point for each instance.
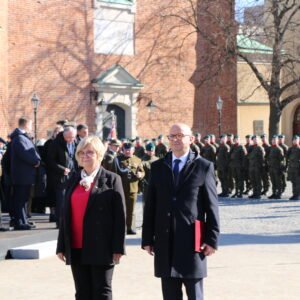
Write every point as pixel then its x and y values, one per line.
pixel 52 218
pixel 2 229
pixel 131 232
pixel 32 224
pixel 264 192
pixel 295 197
pixel 22 227
pixel 255 197
pixel 239 195
pixel 12 223
pixel 233 196
pixel 221 195
pixel 271 197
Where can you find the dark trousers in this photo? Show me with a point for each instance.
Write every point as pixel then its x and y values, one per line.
pixel 130 199
pixel 59 200
pixel 172 288
pixel 92 282
pixel 21 194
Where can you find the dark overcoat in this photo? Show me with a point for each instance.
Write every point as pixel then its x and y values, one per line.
pixel 170 213
pixel 24 158
pixel 104 220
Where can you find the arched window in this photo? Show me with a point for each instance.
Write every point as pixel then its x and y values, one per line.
pixel 296 124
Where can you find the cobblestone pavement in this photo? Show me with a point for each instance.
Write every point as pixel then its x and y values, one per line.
pixel 258 258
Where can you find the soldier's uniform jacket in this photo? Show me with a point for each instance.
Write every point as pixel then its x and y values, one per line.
pixel 195 148
pixel 248 147
pixel 237 156
pixel 146 163
pixel 276 157
pixel 223 156
pixel 256 157
pixel 267 149
pixel 293 159
pixel 209 152
pixel 200 145
pixel 108 160
pixel 127 168
pixel 285 149
pixel 161 150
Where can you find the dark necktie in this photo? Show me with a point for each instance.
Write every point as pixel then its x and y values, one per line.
pixel 176 169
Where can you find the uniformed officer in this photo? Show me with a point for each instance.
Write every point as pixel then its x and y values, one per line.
pixel 237 161
pixel 248 146
pixel 198 141
pixel 208 151
pixel 131 170
pixel 281 139
pixel 265 173
pixel 256 162
pixel 160 149
pixel 147 160
pixel 139 149
pixel 230 178
pixel 223 165
pixel 213 141
pixel 275 163
pixel 110 154
pixel 293 161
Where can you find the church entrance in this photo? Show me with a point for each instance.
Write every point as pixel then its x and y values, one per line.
pixel 119 113
pixel 296 123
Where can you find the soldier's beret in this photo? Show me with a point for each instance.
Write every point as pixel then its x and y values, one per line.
pixel 146 141
pixel 248 136
pixel 115 142
pixel 197 134
pixel 124 140
pixel 154 140
pixel 253 136
pixel 236 136
pixel 281 136
pixel 211 135
pixel 223 135
pixel 128 145
pixel 263 135
pixel 137 138
pixel 230 134
pixel 274 136
pixel 206 137
pixel 150 147
pixel 296 137
pixel 160 136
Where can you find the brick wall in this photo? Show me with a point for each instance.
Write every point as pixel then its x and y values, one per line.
pixel 51 53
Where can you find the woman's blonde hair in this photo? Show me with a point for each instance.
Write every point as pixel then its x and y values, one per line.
pixel 95 142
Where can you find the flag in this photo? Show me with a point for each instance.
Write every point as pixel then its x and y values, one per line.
pixel 113 130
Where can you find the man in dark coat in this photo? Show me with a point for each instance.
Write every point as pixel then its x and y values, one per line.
pixel 24 161
pixel 61 164
pixel 182 189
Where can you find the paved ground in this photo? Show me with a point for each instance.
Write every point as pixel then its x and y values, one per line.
pixel 258 259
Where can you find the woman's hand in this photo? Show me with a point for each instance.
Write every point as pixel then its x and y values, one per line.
pixel 117 257
pixel 61 256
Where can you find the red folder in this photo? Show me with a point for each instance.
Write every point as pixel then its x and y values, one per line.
pixel 199 235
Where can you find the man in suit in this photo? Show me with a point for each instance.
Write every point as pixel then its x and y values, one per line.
pixel 60 164
pixel 182 189
pixel 24 161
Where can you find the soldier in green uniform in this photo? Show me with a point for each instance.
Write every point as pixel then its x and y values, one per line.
pixel 285 148
pixel 248 146
pixel 293 162
pixel 275 164
pixel 230 178
pixel 160 149
pixel 213 141
pixel 265 174
pixel 110 155
pixel 208 151
pixel 222 159
pixel 256 162
pixel 238 155
pixel 198 141
pixel 147 160
pixel 131 170
pixel 139 149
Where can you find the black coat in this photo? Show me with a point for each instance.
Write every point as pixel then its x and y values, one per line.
pixel 24 158
pixel 170 213
pixel 56 162
pixel 104 220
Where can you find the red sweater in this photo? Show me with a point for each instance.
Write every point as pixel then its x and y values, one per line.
pixel 79 200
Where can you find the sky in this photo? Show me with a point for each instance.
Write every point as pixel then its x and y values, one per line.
pixel 241 4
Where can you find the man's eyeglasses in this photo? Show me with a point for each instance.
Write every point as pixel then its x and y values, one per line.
pixel 178 136
pixel 88 153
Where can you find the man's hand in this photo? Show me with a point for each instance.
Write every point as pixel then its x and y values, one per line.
pixel 117 257
pixel 207 250
pixel 61 256
pixel 37 165
pixel 139 175
pixel 149 249
pixel 67 171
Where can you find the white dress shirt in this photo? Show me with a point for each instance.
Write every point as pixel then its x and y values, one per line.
pixel 183 160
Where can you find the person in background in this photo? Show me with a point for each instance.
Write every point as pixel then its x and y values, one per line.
pixel 110 154
pixel 82 132
pixel 91 236
pixel 160 149
pixel 284 147
pixel 139 149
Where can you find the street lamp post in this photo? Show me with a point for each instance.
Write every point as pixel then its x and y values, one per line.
pixel 35 103
pixel 219 109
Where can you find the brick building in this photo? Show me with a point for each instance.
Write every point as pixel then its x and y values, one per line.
pixel 85 58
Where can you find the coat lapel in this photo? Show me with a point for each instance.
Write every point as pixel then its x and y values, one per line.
pixel 169 171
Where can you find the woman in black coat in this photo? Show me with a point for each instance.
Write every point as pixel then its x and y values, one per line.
pixel 92 233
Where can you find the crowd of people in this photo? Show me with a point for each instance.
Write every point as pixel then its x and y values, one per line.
pixel 34 175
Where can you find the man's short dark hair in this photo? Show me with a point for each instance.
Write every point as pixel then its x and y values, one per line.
pixel 82 126
pixel 23 121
